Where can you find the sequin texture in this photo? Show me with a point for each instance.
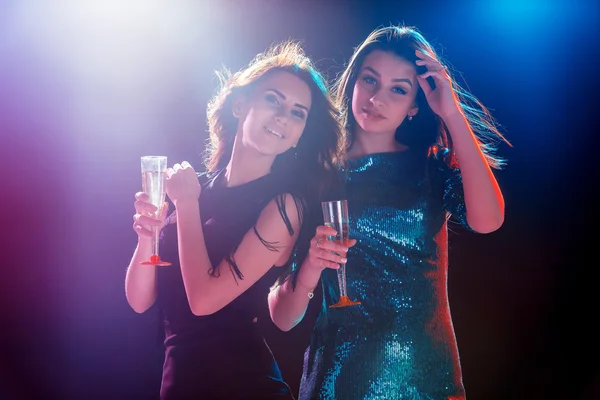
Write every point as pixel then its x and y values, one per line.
pixel 400 342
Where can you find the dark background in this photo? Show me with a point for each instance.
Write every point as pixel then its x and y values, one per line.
pixel 86 88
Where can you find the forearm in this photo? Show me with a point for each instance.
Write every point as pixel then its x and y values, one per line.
pixel 140 280
pixel 193 256
pixel 288 306
pixel 483 199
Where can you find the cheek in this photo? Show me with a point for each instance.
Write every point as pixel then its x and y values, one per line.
pixel 358 98
pixel 299 129
pixel 359 94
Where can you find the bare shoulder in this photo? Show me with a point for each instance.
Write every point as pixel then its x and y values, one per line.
pixel 281 212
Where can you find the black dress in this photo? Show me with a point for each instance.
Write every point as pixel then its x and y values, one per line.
pixel 223 355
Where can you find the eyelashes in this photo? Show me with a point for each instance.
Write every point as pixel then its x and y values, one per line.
pixel 274 100
pixel 369 80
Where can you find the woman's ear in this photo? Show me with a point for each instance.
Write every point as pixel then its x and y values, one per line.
pixel 238 107
pixel 413 111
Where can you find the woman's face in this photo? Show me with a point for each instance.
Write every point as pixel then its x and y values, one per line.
pixel 384 92
pixel 273 117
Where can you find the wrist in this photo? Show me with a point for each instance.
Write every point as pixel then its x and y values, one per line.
pixel 144 242
pixel 186 203
pixel 310 289
pixel 454 117
pixel 308 278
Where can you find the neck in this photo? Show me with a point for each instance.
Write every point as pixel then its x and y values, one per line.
pixel 366 143
pixel 246 165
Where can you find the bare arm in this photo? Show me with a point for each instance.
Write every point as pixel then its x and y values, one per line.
pixel 140 280
pixel 288 306
pixel 206 293
pixel 483 199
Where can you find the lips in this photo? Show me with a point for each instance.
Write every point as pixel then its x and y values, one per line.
pixel 274 132
pixel 372 114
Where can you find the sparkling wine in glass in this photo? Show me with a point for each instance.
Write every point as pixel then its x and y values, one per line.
pixel 335 214
pixel 154 170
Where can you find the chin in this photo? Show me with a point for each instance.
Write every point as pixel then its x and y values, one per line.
pixel 372 127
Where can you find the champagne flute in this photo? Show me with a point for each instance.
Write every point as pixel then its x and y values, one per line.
pixel 154 170
pixel 335 214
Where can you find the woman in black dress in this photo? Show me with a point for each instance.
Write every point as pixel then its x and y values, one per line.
pixel 274 146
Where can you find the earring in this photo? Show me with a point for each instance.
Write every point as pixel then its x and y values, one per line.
pixel 410 117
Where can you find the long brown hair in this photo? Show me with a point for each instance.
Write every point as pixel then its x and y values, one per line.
pixel 322 143
pixel 311 169
pixel 426 129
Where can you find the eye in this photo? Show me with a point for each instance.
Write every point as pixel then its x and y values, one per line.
pixel 298 114
pixel 398 90
pixel 369 80
pixel 272 99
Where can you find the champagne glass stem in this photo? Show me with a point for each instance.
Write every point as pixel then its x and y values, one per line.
pixel 341 275
pixel 156 232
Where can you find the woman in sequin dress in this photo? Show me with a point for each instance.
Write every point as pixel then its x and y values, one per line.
pixel 420 152
pixel 274 143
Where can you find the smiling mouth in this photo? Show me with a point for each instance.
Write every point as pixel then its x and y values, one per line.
pixel 275 133
pixel 372 113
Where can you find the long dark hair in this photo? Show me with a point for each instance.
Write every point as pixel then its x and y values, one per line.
pixel 310 169
pixel 322 144
pixel 426 129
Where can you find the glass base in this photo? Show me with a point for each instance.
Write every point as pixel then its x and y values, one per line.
pixel 155 260
pixel 344 302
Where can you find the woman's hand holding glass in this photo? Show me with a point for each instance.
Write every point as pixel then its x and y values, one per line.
pixel 144 220
pixel 324 253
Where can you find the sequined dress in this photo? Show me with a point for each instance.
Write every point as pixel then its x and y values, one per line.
pixel 222 355
pixel 400 342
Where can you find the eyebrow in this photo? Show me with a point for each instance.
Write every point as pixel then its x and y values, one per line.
pixel 283 97
pixel 393 80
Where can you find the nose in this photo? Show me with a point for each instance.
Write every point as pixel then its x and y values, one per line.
pixel 281 116
pixel 376 99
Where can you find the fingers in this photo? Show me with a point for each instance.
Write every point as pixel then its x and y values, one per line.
pixel 434 69
pixel 142 204
pixel 323 230
pixel 142 225
pixel 323 243
pixel 425 85
pixel 431 65
pixel 144 219
pixel 424 57
pixel 322 258
pixel 325 253
pixel 142 232
pixel 141 196
pixel 172 171
pixel 179 168
pixel 437 75
pixel 323 263
pixel 143 207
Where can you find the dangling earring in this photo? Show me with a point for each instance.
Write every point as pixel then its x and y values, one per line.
pixel 410 117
